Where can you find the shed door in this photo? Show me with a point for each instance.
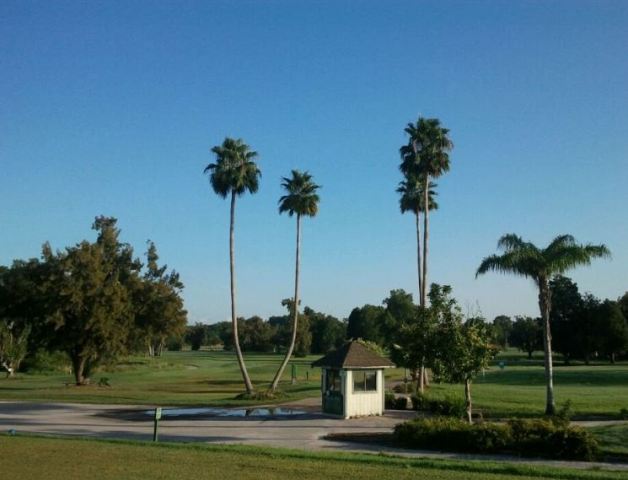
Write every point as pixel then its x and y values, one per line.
pixel 332 393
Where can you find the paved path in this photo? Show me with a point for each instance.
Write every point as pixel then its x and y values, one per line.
pixel 301 431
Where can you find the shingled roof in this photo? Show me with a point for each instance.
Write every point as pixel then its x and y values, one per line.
pixel 353 355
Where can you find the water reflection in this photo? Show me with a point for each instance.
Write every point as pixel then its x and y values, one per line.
pixel 229 412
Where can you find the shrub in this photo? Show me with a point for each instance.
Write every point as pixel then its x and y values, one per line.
pixel 401 403
pixel 448 406
pixel 403 388
pixel 623 413
pixel 540 437
pixel 452 434
pixel 393 403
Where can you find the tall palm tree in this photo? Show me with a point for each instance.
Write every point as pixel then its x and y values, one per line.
pixel 426 155
pixel 300 199
pixel 235 173
pixel 541 264
pixel 411 200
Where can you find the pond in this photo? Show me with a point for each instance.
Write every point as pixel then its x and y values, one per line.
pixel 228 412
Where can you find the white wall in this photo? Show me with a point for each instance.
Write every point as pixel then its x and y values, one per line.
pixel 359 404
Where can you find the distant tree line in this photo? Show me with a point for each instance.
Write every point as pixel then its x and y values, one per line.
pixel 93 301
pixel 583 326
pixel 317 333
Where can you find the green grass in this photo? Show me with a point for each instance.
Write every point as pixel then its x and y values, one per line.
pixel 177 378
pixel 613 440
pixel 596 390
pixel 60 459
pixel 213 378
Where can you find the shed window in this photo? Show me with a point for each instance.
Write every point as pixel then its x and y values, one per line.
pixel 333 381
pixel 365 381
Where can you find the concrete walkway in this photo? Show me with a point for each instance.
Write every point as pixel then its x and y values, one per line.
pixel 304 431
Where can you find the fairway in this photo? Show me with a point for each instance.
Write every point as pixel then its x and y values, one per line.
pixel 213 378
pixel 177 378
pixel 61 459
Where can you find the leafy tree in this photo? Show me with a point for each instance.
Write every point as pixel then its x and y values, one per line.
pixel 234 173
pixel 257 335
pixel 196 336
pixel 426 156
pixel 459 350
pixel 567 305
pixel 527 335
pixel 301 199
pixel 159 307
pixel 412 200
pixel 400 308
pixel 327 331
pixel 540 265
pixel 612 330
pixel 502 326
pixel 366 323
pixel 623 304
pixel 13 345
pixel 90 310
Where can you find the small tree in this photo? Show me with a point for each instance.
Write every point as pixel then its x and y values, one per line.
pixel 13 345
pixel 462 351
pixel 527 335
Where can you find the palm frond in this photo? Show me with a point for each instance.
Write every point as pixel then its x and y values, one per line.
pixel 301 197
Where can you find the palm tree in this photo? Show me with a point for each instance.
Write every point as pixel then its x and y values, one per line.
pixel 411 200
pixel 541 264
pixel 301 199
pixel 427 156
pixel 235 173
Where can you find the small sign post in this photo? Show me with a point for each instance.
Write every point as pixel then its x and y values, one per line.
pixel 156 426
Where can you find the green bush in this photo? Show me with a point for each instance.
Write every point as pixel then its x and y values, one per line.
pixel 623 413
pixel 539 437
pixel 443 433
pixel 401 403
pixel 449 406
pixel 403 388
pixel 43 362
pixel 393 403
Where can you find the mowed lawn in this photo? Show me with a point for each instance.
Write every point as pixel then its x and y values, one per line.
pixel 518 389
pixel 177 378
pixel 61 459
pixel 213 378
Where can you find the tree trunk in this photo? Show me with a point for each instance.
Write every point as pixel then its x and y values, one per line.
pixel 545 306
pixel 530 355
pixel 234 320
pixel 613 357
pixel 418 252
pixel 78 367
pixel 467 396
pixel 426 209
pixel 10 369
pixel 295 314
pixel 421 379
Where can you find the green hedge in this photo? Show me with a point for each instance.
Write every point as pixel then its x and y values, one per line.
pixel 449 405
pixel 540 437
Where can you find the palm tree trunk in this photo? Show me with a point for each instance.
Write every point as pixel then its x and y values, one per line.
pixel 234 320
pixel 426 209
pixel 545 306
pixel 295 314
pixel 418 250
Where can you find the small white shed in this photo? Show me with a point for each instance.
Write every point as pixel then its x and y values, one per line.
pixel 352 381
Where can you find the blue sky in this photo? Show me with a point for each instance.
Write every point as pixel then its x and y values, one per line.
pixel 111 108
